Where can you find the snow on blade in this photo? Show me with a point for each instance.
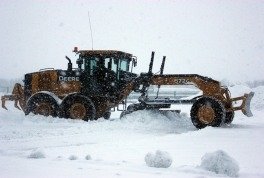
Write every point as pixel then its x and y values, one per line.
pixel 154 121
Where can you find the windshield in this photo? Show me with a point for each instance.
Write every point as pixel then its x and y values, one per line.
pixel 90 64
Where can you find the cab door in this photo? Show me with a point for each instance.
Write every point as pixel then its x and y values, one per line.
pixel 124 76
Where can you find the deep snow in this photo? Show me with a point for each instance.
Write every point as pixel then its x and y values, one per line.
pixel 118 147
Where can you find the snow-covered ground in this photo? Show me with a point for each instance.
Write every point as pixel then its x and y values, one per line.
pixel 36 146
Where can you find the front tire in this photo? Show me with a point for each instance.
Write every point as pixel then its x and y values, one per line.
pixel 229 117
pixel 207 111
pixel 77 107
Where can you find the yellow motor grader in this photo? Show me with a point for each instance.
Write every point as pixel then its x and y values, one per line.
pixel 103 79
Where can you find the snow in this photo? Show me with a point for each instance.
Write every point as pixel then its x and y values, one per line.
pixel 37 154
pixel 160 159
pixel 88 157
pixel 155 122
pixel 258 102
pixel 118 147
pixel 73 157
pixel 220 163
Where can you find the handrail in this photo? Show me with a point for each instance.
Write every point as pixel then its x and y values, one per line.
pixel 50 68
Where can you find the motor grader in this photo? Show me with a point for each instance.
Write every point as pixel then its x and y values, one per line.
pixel 103 79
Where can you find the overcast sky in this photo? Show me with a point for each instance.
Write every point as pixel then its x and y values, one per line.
pixel 220 39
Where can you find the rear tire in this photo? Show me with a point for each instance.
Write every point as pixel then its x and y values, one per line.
pixel 207 111
pixel 42 104
pixel 77 107
pixel 229 117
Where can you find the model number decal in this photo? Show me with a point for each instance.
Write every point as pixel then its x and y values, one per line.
pixel 68 79
pixel 182 81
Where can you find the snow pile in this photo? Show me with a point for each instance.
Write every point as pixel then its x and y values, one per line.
pixel 88 157
pixel 220 163
pixel 73 157
pixel 37 154
pixel 161 159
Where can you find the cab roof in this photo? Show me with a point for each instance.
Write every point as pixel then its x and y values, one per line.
pixel 104 53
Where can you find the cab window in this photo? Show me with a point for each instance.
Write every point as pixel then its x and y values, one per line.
pixel 91 65
pixel 112 63
pixel 124 65
pixel 94 63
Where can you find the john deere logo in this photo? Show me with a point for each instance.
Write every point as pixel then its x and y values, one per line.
pixel 68 79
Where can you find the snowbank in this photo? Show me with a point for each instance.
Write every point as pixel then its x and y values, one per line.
pixel 37 154
pixel 220 163
pixel 160 159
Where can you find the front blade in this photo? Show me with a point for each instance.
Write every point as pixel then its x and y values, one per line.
pixel 246 108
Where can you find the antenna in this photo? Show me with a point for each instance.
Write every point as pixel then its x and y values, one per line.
pixel 90 29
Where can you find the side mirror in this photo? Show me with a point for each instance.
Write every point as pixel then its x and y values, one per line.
pixel 134 61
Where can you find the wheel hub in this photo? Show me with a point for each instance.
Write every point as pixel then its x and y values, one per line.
pixel 43 109
pixel 78 111
pixel 206 114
